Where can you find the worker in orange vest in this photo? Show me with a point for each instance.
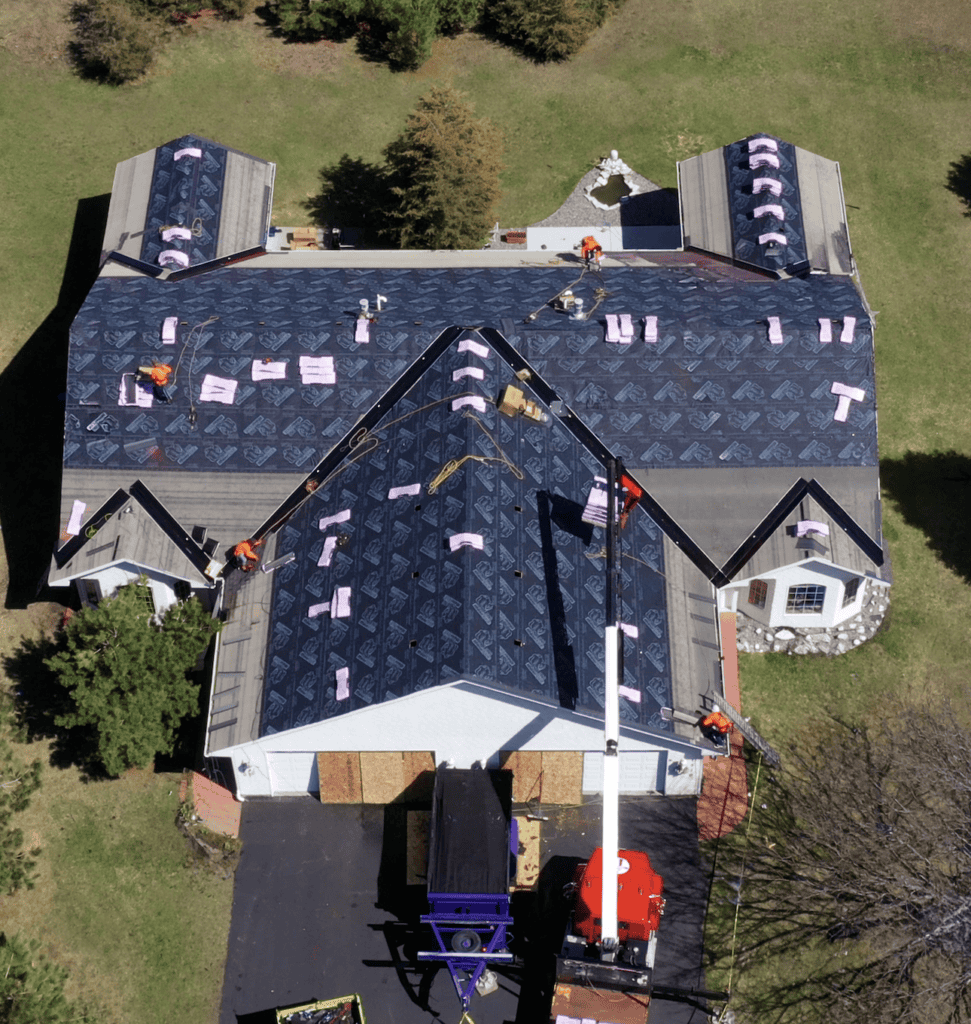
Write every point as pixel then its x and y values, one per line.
pixel 157 374
pixel 591 249
pixel 716 726
pixel 245 554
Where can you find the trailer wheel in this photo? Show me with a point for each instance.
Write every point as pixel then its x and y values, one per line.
pixel 466 941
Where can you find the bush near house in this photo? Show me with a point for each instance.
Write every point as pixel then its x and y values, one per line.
pixel 127 674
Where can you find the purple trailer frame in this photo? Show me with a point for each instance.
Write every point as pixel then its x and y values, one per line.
pixel 452 916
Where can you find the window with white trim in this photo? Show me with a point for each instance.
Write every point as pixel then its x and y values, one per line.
pixel 805 599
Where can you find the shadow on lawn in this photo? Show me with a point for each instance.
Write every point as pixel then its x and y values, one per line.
pixel 38 699
pixel 933 492
pixel 959 181
pixel 32 416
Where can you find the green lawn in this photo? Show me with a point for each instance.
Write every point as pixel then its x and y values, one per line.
pixel 882 86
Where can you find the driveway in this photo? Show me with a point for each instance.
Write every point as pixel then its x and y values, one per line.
pixel 321 908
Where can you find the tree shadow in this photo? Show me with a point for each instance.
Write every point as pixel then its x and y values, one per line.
pixel 32 416
pixel 933 492
pixel 38 699
pixel 959 181
pixel 355 195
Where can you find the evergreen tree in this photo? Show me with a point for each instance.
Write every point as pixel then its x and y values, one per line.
pixel 444 169
pixel 31 987
pixel 17 783
pixel 319 19
pixel 409 26
pixel 127 674
pixel 548 30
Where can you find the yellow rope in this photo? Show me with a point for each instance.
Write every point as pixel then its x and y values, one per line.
pixel 738 905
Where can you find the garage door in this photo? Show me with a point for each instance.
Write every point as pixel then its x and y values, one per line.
pixel 641 771
pixel 292 772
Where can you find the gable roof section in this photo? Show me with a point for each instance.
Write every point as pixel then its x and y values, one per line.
pixel 132 526
pixel 722 509
pixel 524 613
pixel 224 197
pixel 718 203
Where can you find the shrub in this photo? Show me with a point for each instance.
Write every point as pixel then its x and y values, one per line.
pixel 113 43
pixel 548 30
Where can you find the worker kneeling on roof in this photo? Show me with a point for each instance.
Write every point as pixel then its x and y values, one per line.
pixel 157 374
pixel 716 726
pixel 246 554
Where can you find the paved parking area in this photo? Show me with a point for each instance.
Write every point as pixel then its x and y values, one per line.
pixel 321 908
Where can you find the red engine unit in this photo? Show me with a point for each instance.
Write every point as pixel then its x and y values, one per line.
pixel 639 900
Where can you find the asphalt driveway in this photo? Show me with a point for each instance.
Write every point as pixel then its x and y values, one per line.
pixel 321 909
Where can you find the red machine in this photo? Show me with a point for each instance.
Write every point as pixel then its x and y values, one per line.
pixel 639 900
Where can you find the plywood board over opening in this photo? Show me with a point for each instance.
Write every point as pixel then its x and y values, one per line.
pixel 562 777
pixel 339 772
pixel 527 769
pixel 386 776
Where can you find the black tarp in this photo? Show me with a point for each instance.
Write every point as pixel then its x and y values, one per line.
pixel 469 843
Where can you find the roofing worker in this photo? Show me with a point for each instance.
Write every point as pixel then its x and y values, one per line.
pixel 591 249
pixel 157 374
pixel 246 554
pixel 716 726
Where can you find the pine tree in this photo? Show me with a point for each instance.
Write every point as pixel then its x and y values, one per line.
pixel 318 19
pixel 17 783
pixel 127 674
pixel 31 987
pixel 444 170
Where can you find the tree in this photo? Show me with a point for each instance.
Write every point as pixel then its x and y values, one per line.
pixel 31 987
pixel 17 783
pixel 112 42
pixel 858 877
pixel 127 674
pixel 318 19
pixel 548 30
pixel 444 171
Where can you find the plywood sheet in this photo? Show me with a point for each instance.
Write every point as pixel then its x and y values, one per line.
pixel 527 767
pixel 385 775
pixel 339 773
pixel 585 1003
pixel 562 777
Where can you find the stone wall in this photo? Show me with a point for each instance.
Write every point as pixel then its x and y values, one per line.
pixel 754 637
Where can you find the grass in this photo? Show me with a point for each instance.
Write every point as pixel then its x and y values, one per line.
pixel 880 85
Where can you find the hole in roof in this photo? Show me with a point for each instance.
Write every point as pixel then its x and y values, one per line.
pixel 518 508
pixel 519 643
pixel 415 575
pixel 418 508
pixel 418 323
pixel 412 643
pixel 518 573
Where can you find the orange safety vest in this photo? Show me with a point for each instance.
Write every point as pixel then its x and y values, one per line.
pixel 160 374
pixel 717 721
pixel 590 247
pixel 245 549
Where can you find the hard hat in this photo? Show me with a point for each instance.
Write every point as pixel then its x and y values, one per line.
pixel 715 708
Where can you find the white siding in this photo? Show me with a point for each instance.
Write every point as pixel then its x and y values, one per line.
pixel 641 771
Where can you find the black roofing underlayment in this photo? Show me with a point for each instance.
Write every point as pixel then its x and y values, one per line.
pixel 525 613
pixel 185 193
pixel 712 391
pixel 746 229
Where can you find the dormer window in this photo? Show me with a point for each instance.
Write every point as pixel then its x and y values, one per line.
pixel 806 599
pixel 851 590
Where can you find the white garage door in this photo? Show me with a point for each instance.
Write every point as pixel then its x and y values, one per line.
pixel 641 771
pixel 292 772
